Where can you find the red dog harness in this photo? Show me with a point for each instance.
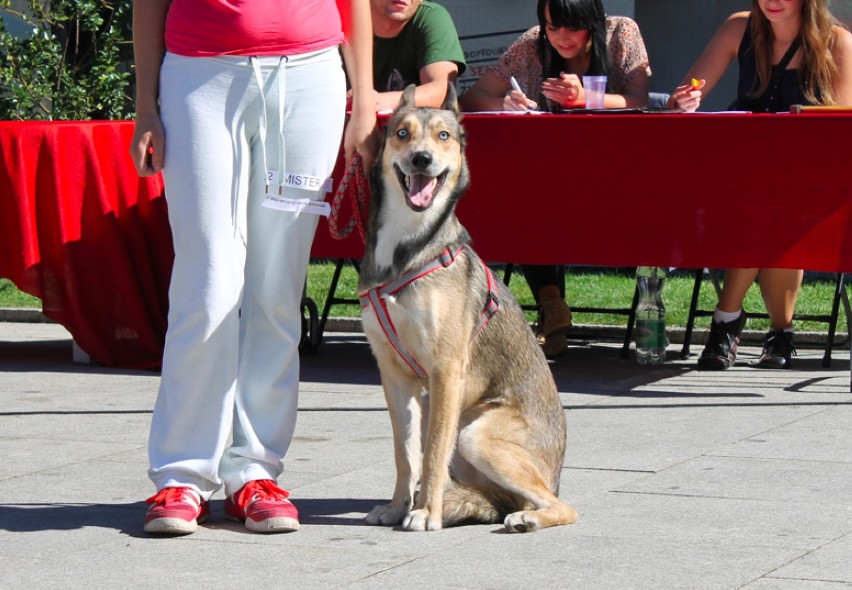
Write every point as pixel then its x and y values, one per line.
pixel 376 297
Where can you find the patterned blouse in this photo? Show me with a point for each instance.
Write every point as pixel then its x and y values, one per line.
pixel 627 57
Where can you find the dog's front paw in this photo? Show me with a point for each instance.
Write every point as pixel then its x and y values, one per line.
pixel 387 514
pixel 421 520
pixel 522 522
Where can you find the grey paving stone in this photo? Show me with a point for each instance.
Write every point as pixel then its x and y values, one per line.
pixel 752 479
pixel 714 520
pixel 794 584
pixel 831 562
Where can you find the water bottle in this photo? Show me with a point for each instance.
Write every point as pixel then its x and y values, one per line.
pixel 650 316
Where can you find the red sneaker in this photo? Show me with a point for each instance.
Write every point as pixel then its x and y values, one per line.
pixel 175 511
pixel 264 507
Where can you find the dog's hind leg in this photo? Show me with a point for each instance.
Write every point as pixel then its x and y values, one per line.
pixel 547 510
pixel 498 444
pixel 404 397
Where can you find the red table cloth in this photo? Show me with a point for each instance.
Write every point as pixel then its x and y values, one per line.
pixel 91 239
pixel 85 234
pixel 689 190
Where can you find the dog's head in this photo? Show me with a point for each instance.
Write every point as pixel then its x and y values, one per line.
pixel 419 175
pixel 423 152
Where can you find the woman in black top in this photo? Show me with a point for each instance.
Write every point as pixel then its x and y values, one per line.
pixel 789 52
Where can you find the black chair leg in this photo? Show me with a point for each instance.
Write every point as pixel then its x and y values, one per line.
pixel 839 291
pixel 309 342
pixel 631 322
pixel 507 273
pixel 690 319
pixel 330 297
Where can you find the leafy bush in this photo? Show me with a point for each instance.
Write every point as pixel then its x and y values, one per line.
pixel 74 64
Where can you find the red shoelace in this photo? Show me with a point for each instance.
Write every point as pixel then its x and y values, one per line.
pixel 167 495
pixel 259 488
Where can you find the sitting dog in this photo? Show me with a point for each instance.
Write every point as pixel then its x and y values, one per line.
pixel 456 354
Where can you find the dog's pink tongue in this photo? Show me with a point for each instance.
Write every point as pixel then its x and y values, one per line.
pixel 420 189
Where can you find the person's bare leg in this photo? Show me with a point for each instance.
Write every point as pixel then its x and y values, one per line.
pixel 780 288
pixel 736 285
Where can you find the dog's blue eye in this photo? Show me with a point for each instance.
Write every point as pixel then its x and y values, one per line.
pixel 402 133
pixel 444 135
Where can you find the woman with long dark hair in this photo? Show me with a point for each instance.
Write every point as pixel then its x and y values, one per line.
pixel 789 52
pixel 574 38
pixel 575 17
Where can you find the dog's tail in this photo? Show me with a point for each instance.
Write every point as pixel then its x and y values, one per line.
pixel 465 504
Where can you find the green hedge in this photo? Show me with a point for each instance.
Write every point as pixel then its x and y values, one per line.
pixel 65 60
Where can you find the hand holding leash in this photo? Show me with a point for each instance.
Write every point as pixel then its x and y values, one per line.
pixel 354 185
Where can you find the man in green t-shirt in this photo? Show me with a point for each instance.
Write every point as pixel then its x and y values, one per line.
pixel 414 42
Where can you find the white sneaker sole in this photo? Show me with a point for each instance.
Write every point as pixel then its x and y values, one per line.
pixel 273 525
pixel 170 526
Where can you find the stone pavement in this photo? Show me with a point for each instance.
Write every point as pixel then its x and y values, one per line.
pixel 741 479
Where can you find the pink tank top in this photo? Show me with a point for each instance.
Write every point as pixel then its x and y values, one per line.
pixel 199 28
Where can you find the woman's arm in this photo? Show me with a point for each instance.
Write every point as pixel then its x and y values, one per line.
pixel 634 93
pixel 149 47
pixel 491 93
pixel 629 64
pixel 486 94
pixel 358 56
pixel 431 91
pixel 711 64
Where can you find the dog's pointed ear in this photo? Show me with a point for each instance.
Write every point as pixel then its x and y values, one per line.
pixel 451 101
pixel 407 99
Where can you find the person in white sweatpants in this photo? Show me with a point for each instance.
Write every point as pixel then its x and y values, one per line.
pixel 241 107
pixel 234 301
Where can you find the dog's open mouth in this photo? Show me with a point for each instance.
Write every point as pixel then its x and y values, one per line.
pixel 419 189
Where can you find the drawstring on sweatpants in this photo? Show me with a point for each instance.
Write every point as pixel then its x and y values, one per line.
pixel 276 183
pixel 264 120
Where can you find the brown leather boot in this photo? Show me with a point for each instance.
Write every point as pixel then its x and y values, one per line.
pixel 554 320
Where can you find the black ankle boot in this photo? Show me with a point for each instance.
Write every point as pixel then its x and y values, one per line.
pixel 777 350
pixel 720 352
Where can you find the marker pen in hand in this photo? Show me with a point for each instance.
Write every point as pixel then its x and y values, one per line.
pixel 516 87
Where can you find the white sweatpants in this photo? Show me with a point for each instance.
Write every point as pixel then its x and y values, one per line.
pixel 231 363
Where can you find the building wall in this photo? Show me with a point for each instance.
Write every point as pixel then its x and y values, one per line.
pixel 486 29
pixel 15 25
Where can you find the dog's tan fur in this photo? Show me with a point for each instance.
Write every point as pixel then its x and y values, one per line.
pixel 494 435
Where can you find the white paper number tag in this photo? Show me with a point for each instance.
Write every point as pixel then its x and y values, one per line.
pixel 302 181
pixel 297 205
pixel 276 200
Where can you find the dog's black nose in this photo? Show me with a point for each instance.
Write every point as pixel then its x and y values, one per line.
pixel 421 159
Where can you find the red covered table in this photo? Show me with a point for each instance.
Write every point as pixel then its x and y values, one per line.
pixel 690 190
pixel 91 239
pixel 84 233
